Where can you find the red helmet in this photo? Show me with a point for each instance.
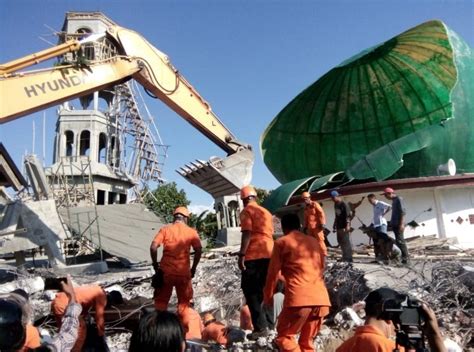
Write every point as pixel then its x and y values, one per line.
pixel 181 210
pixel 305 195
pixel 247 191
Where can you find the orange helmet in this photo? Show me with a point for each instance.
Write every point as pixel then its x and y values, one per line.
pixel 208 318
pixel 305 195
pixel 247 191
pixel 181 210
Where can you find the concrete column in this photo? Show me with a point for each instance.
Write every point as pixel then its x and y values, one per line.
pixel 439 213
pixel 20 259
pixel 96 101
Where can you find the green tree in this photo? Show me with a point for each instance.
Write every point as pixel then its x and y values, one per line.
pixel 206 225
pixel 165 199
pixel 262 194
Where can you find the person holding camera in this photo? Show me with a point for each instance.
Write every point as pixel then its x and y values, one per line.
pixel 89 297
pixel 384 309
pixel 13 324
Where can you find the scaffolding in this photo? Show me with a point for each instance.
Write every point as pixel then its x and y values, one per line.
pixel 72 185
pixel 147 155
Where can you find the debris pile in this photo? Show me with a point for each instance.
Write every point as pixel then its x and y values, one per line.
pixel 446 286
pixel 346 285
pixel 419 247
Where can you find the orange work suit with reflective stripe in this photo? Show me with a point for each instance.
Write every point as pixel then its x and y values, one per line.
pixel 33 339
pixel 92 296
pixel 306 301
pixel 367 338
pixel 195 325
pixel 177 240
pixel 314 219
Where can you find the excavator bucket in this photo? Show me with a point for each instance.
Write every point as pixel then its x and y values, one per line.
pixel 218 176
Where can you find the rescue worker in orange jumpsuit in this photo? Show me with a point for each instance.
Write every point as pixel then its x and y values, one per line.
pixel 90 296
pixel 376 335
pixel 177 239
pixel 255 251
pixel 314 221
pixel 306 301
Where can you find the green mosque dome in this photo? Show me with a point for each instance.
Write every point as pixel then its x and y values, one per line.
pixel 396 110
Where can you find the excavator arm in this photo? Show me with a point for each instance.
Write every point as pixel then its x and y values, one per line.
pixel 23 93
pixel 165 82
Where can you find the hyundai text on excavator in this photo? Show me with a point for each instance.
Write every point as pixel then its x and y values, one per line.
pixel 23 93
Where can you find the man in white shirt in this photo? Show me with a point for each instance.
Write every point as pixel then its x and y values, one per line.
pixel 380 223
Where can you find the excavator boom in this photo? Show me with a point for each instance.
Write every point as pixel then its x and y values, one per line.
pixel 23 93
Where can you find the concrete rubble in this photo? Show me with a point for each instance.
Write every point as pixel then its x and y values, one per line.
pixel 446 285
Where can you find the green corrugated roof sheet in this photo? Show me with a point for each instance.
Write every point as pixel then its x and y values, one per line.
pixel 283 194
pixel 393 111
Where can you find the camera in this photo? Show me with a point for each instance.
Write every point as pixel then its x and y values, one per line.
pixel 407 315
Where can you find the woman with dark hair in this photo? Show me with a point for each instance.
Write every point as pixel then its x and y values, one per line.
pixel 158 331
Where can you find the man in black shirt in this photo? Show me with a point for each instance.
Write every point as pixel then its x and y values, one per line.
pixel 342 225
pixel 398 222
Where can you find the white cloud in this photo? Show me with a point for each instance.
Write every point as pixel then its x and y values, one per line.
pixel 199 208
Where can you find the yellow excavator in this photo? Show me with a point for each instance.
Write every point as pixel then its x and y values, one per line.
pixel 24 92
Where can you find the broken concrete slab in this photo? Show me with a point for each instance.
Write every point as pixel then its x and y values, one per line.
pixel 40 225
pixel 126 230
pixel 83 269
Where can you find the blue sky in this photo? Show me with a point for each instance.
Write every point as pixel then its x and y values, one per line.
pixel 247 58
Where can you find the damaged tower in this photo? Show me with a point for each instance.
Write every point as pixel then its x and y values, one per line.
pixel 91 164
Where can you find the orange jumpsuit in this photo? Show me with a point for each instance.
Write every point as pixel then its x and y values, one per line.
pixel 367 338
pixel 33 339
pixel 215 331
pixel 314 217
pixel 306 300
pixel 245 318
pixel 195 325
pixel 177 239
pixel 88 297
pixel 259 223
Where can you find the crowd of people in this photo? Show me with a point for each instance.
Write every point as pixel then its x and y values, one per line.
pixel 282 283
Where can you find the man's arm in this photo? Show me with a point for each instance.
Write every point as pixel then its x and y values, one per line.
pixel 67 336
pixel 387 208
pixel 348 216
pixel 321 216
pixel 272 276
pixel 154 250
pixel 433 334
pixel 402 214
pixel 246 228
pixel 244 244
pixel 197 254
pixel 100 303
